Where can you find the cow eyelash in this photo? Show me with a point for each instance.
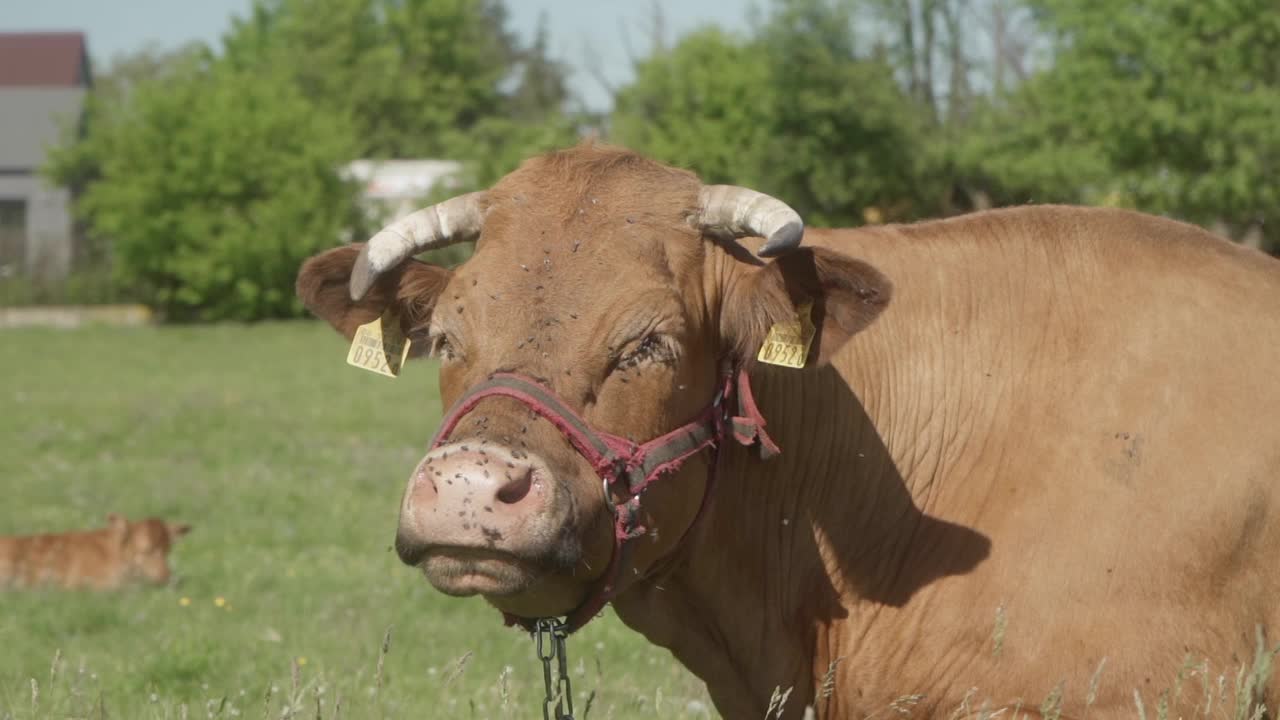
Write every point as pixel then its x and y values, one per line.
pixel 440 347
pixel 653 348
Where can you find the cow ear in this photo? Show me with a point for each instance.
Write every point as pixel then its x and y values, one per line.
pixel 177 530
pixel 412 288
pixel 846 295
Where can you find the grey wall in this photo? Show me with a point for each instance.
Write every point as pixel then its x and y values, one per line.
pixel 49 242
pixel 31 120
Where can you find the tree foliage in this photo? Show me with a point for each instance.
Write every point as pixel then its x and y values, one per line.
pixel 410 73
pixel 702 105
pixel 854 109
pixel 419 78
pixel 213 170
pixel 1165 105
pixel 213 185
pixel 848 138
pixel 214 173
pixel 795 111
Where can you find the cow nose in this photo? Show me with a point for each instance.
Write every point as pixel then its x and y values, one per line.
pixel 467 479
pixel 478 497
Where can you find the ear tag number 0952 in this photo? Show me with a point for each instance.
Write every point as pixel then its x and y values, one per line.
pixel 379 346
pixel 787 344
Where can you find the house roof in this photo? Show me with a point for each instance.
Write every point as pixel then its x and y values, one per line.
pixel 43 59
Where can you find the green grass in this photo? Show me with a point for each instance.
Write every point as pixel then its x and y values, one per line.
pixel 290 466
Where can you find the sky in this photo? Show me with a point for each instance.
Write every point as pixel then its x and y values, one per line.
pixel 584 33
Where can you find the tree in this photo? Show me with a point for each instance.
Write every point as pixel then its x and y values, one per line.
pixel 533 117
pixel 707 104
pixel 1165 105
pixel 850 143
pixel 109 101
pixel 214 184
pixel 949 56
pixel 214 175
pixel 795 112
pixel 417 77
pixel 106 105
pixel 542 90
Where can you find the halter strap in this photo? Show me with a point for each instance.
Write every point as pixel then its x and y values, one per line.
pixel 626 468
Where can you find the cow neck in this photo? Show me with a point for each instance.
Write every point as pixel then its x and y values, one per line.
pixel 626 468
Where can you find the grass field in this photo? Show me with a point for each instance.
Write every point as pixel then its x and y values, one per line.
pixel 290 466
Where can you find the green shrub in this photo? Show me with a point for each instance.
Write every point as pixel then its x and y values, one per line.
pixel 213 185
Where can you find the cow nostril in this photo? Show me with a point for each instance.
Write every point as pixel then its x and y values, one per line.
pixel 516 488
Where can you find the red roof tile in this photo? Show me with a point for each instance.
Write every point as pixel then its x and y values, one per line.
pixel 42 59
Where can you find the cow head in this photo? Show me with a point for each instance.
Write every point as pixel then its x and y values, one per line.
pixel 617 283
pixel 144 546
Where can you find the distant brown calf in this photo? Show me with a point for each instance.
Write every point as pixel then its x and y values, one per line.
pixel 104 559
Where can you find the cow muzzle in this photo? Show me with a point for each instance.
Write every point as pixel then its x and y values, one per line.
pixel 478 520
pixel 463 555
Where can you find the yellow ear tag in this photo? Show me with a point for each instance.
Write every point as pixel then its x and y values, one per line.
pixel 787 344
pixel 379 346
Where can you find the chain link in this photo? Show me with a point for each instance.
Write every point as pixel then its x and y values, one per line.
pixel 550 635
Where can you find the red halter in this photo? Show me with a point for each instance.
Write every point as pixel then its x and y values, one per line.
pixel 626 468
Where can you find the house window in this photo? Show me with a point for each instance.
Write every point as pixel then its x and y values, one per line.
pixel 13 235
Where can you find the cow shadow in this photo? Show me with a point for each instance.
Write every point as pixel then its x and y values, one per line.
pixel 884 545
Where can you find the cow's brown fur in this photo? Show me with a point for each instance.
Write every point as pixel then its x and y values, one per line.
pixel 122 553
pixel 1052 425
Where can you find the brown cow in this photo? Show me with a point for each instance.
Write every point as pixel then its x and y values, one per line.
pixel 1032 448
pixel 121 553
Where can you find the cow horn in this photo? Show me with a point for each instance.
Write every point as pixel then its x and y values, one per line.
pixel 743 211
pixel 452 221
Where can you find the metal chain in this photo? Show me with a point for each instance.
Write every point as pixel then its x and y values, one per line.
pixel 550 636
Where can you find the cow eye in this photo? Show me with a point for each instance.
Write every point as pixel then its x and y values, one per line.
pixel 653 348
pixel 439 346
